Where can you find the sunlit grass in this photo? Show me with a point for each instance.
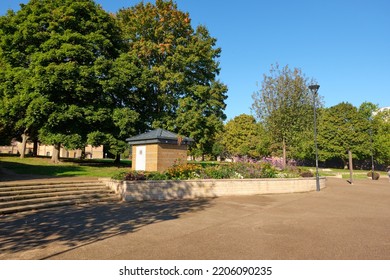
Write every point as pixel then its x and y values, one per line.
pixel 344 173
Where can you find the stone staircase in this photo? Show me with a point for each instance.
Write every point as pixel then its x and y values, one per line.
pixel 24 196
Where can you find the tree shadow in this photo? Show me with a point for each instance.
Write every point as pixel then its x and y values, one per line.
pixel 74 226
pixel 11 171
pixel 14 171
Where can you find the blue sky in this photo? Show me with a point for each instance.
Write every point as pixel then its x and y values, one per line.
pixel 343 44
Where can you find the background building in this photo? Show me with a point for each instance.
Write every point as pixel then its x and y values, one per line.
pixel 47 150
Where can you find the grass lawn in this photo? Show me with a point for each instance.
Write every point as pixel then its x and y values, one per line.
pixel 43 166
pixel 106 168
pixel 357 174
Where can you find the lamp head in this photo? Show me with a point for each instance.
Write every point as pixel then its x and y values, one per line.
pixel 314 88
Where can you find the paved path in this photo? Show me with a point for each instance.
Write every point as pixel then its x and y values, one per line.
pixel 341 222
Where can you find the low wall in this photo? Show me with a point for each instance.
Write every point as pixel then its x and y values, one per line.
pixel 190 189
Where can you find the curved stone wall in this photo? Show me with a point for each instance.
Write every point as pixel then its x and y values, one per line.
pixel 190 189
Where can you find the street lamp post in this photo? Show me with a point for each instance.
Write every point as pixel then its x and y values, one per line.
pixel 372 151
pixel 314 90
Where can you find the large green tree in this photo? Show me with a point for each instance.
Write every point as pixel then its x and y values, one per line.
pixel 341 128
pixel 177 87
pixel 242 137
pixel 284 105
pixel 381 136
pixel 58 56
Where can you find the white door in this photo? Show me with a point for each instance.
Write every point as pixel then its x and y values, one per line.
pixel 140 158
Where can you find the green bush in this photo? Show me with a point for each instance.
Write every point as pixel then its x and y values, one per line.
pixel 129 176
pixel 188 171
pixel 156 176
pixel 120 176
pixel 307 174
pixel 217 172
pixel 135 176
pixel 268 171
pixel 184 171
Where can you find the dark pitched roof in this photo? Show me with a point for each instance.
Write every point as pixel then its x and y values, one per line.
pixel 158 136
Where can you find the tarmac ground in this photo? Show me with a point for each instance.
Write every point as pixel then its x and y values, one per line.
pixel 342 221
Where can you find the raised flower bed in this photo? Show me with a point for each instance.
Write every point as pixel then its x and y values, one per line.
pixel 191 181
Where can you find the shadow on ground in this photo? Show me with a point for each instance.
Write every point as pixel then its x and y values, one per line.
pixel 7 175
pixel 75 226
pixel 10 171
pixel 20 171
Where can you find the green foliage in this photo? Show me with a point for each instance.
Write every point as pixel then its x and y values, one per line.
pixel 177 72
pixel 241 136
pixel 342 128
pixel 156 176
pixel 58 56
pixel 253 170
pixel 284 106
pixel 184 171
pixel 220 172
pixel 381 136
pixel 135 176
pixel 187 171
pixel 68 68
pixel 307 173
pixel 70 168
pixel 119 176
pixel 139 176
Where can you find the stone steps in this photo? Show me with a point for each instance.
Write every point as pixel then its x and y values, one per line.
pixel 22 196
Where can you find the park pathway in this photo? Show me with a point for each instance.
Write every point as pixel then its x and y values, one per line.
pixel 342 221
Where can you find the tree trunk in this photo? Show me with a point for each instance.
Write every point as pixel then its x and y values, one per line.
pixel 350 167
pixel 83 155
pixel 117 158
pixel 24 143
pixel 35 148
pixel 284 155
pixel 55 158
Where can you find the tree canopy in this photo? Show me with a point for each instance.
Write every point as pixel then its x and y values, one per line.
pixel 285 106
pixel 57 56
pixel 381 136
pixel 242 137
pixel 72 73
pixel 177 89
pixel 342 128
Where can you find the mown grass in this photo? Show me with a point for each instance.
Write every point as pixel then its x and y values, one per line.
pixel 68 168
pixel 106 168
pixel 357 174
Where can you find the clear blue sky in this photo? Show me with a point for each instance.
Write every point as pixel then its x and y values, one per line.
pixel 343 44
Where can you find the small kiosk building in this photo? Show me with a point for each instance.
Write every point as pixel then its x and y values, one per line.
pixel 158 149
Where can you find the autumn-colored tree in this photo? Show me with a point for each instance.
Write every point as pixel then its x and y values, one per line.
pixel 177 87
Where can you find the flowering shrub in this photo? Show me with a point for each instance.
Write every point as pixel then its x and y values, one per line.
pixel 185 171
pixel 130 176
pixel 222 171
pixel 268 171
pixel 155 176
